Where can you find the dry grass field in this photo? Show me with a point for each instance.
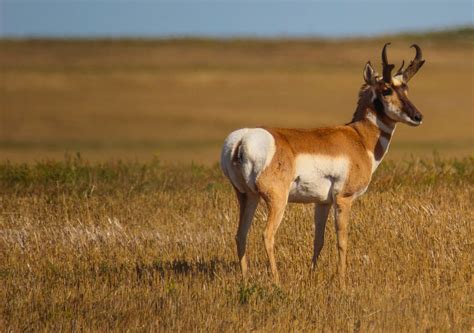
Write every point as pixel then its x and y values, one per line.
pixel 139 247
pixel 131 236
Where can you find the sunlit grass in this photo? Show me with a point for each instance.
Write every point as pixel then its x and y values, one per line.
pixel 134 246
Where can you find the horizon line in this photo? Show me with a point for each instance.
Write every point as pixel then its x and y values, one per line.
pixel 468 27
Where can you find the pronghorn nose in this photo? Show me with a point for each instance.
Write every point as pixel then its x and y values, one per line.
pixel 418 117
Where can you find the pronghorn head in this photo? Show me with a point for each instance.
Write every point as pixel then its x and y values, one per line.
pixel 391 92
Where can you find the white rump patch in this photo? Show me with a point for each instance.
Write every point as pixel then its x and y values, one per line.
pixel 256 148
pixel 228 149
pixel 318 178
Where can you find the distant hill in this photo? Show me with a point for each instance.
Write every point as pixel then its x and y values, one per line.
pixel 464 34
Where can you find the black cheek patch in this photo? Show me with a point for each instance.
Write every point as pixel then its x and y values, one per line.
pixel 378 106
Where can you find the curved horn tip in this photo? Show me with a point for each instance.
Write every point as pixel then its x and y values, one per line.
pixel 384 54
pixel 418 51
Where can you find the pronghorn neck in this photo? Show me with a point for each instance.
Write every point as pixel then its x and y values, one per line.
pixel 374 127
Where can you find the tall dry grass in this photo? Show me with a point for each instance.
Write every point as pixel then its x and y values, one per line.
pixel 136 247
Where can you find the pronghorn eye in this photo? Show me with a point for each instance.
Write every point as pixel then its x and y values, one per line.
pixel 387 92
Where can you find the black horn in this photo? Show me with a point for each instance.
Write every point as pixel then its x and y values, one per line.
pixel 400 70
pixel 387 68
pixel 415 64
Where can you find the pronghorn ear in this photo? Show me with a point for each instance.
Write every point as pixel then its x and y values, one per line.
pixel 370 75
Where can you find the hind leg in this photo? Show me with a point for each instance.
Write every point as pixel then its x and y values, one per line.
pixel 248 203
pixel 276 204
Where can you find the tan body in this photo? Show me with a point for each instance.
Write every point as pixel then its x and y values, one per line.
pixel 326 166
pixel 344 141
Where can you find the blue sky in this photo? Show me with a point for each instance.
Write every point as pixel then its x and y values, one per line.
pixel 226 18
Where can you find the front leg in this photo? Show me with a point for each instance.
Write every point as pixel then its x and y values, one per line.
pixel 342 209
pixel 321 213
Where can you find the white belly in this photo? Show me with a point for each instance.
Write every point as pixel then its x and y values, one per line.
pixel 318 178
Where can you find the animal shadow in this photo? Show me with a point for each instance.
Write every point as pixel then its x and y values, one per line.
pixel 209 268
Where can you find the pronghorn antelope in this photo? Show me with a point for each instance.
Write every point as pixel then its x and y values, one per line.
pixel 326 166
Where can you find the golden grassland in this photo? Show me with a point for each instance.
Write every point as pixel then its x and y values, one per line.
pixel 135 247
pixel 133 237
pixel 177 99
